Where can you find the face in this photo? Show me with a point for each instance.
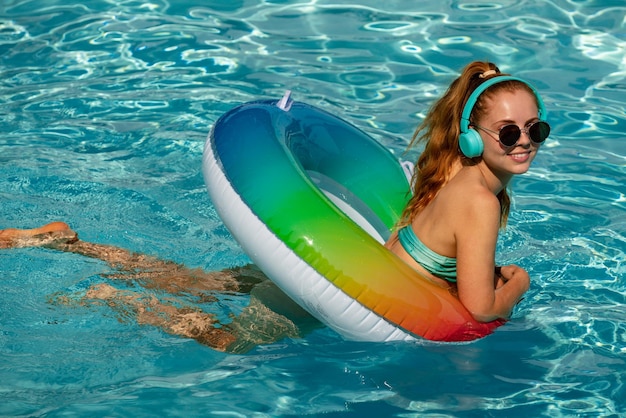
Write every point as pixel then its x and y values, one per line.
pixel 517 107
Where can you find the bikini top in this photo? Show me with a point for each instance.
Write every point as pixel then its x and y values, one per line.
pixel 436 264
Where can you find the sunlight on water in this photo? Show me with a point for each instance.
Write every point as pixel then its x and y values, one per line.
pixel 106 107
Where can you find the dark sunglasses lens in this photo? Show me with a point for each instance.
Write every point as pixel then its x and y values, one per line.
pixel 509 135
pixel 539 131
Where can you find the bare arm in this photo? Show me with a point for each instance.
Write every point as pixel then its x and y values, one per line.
pixel 485 296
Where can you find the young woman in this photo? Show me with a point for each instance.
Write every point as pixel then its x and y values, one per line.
pixel 485 129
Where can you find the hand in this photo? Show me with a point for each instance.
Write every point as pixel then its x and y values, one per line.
pixel 512 271
pixel 513 274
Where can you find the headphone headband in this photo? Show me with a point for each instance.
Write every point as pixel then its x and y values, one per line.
pixel 471 101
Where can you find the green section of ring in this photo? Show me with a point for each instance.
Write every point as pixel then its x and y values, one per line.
pixel 265 150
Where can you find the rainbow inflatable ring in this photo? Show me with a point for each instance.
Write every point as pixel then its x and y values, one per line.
pixel 312 199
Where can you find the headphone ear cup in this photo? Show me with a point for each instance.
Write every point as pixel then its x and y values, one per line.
pixel 471 143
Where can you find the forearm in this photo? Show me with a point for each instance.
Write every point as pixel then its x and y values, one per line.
pixel 510 283
pixel 508 296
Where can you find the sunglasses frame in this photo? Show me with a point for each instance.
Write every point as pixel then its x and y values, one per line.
pixel 525 129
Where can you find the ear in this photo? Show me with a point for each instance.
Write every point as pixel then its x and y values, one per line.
pixel 471 143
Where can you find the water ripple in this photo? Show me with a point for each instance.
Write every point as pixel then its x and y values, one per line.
pixel 106 106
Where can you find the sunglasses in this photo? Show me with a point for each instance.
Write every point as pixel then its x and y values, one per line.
pixel 509 135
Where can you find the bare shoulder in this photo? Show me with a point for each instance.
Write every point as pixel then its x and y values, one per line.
pixel 472 198
pixel 482 201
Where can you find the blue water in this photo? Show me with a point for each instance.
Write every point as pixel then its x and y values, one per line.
pixel 104 109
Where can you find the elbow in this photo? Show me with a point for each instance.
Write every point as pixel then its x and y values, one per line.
pixel 489 313
pixel 494 311
pixel 487 317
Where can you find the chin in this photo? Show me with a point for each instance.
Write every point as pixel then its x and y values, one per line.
pixel 520 170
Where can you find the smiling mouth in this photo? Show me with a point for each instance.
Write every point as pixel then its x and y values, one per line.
pixel 520 156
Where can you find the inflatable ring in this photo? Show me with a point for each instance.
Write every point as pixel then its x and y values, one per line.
pixel 311 199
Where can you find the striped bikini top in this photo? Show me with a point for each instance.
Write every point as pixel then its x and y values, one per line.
pixel 436 264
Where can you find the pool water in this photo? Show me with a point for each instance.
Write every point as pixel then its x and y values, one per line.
pixel 105 107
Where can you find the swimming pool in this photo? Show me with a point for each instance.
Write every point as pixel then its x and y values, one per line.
pixel 105 109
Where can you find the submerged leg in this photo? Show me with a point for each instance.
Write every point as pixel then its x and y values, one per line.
pixel 151 271
pixel 186 322
pixel 270 316
pixel 258 323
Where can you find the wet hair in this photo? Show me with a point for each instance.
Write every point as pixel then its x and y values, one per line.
pixel 439 132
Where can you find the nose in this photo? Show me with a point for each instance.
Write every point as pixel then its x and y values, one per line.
pixel 524 137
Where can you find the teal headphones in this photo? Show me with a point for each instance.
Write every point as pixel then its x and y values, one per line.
pixel 470 141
